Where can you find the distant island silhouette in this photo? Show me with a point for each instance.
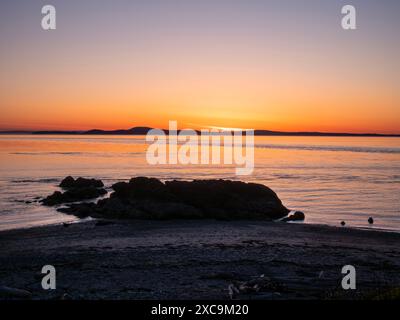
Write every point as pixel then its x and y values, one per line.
pixel 144 131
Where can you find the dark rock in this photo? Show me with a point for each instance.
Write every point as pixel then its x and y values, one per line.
pixel 55 198
pixel 76 190
pixel 71 183
pixel 343 223
pixel 73 195
pixel 149 198
pixel 142 188
pixel 229 199
pixel 297 216
pixel 81 210
pixel 371 220
pixel 65 225
pixel 67 183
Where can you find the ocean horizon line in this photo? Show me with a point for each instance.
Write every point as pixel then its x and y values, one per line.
pixel 144 130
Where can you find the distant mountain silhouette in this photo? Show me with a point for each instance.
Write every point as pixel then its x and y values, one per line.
pixel 132 131
pixel 145 130
pixel 57 132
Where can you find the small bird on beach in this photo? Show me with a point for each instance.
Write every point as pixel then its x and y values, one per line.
pixel 343 223
pixel 371 220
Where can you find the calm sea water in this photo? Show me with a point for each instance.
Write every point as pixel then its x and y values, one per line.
pixel 329 178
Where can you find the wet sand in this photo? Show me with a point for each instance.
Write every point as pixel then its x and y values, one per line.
pixel 198 260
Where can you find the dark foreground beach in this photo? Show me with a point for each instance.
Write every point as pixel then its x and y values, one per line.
pixel 201 259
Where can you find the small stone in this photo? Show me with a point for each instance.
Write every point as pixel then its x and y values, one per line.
pixel 65 296
pixel 297 216
pixel 343 223
pixel 371 220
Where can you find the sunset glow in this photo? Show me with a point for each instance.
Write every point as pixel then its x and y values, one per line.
pixel 209 63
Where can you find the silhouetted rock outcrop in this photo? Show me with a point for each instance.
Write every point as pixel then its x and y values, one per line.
pixel 76 190
pixel 73 195
pixel 71 183
pixel 149 198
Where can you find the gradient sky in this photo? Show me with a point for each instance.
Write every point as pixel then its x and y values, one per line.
pixel 278 65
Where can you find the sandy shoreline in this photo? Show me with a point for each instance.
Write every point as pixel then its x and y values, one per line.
pixel 198 260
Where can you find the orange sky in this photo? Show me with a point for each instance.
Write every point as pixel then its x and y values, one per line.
pixel 277 100
pixel 251 74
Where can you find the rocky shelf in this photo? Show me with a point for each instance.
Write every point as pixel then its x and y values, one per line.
pixel 150 198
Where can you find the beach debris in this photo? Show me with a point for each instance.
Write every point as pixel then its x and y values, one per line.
pixel 149 198
pixel 343 223
pixel 8 292
pixel 259 284
pixel 232 291
pixel 66 296
pixel 296 216
pixel 371 220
